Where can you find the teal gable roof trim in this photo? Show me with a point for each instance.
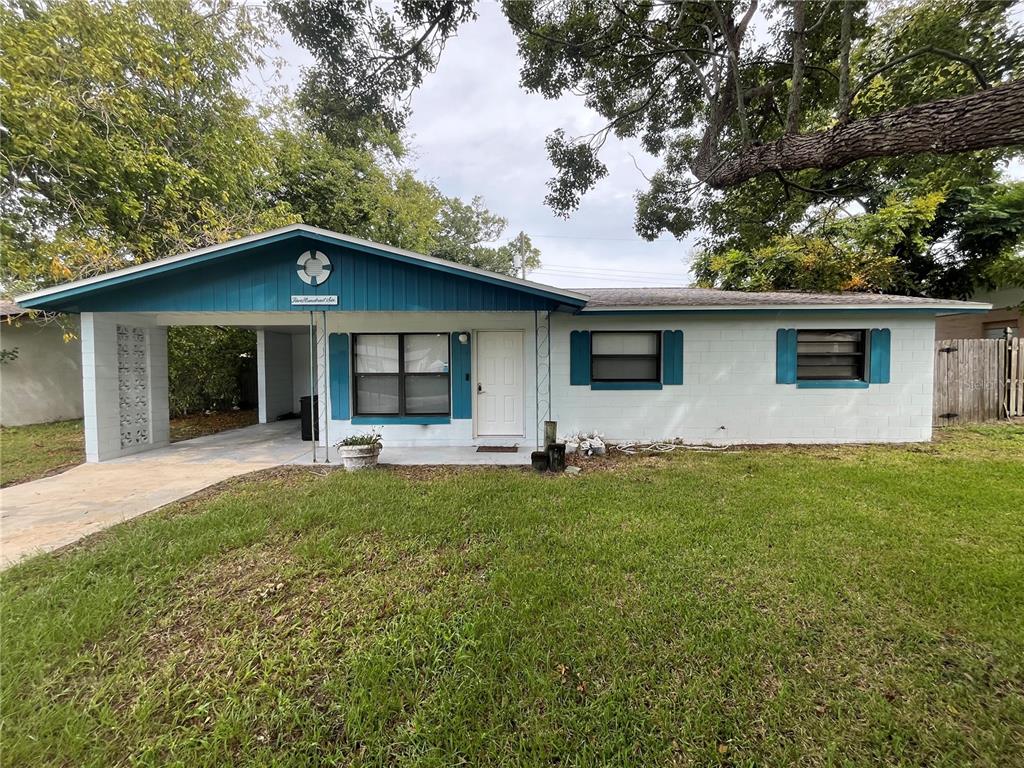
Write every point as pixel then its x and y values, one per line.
pixel 260 275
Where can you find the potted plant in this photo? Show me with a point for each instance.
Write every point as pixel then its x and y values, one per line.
pixel 359 451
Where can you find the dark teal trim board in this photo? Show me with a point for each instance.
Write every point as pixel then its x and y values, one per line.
pixel 624 385
pixel 785 356
pixel 385 420
pixel 831 384
pixel 880 354
pixel 579 358
pixel 672 357
pixel 461 376
pixel 338 361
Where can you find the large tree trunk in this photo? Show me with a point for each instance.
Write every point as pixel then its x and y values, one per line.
pixel 982 120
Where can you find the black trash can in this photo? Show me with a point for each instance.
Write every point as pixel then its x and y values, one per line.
pixel 310 416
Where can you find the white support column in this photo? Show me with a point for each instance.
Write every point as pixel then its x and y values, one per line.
pixel 124 393
pixel 323 383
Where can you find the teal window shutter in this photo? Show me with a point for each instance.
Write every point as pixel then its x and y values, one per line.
pixel 462 385
pixel 879 350
pixel 337 350
pixel 672 357
pixel 785 356
pixel 579 358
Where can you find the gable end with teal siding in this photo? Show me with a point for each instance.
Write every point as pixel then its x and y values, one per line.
pixel 262 277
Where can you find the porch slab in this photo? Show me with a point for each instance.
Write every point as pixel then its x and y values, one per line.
pixel 459 456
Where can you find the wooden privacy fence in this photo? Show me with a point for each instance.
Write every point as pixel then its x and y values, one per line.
pixel 978 380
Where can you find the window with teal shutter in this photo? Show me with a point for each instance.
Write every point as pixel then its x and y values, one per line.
pixel 785 356
pixel 672 357
pixel 462 386
pixel 337 350
pixel 879 351
pixel 579 358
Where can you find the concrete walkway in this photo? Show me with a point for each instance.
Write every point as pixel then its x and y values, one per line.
pixel 47 514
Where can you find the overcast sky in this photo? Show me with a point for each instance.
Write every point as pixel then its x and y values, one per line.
pixel 474 131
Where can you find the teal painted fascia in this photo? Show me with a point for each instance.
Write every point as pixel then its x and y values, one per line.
pixel 385 420
pixel 829 384
pixel 624 385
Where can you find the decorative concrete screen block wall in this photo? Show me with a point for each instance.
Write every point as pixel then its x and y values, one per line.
pixel 730 393
pixel 124 385
pixel 133 385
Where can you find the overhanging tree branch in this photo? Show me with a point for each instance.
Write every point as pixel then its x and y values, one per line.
pixel 983 120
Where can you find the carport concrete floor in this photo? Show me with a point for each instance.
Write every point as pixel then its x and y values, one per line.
pixel 53 512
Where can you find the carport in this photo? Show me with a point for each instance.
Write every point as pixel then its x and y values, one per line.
pixel 429 352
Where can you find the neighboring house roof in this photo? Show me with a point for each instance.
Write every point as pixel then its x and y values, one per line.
pixel 11 309
pixel 682 299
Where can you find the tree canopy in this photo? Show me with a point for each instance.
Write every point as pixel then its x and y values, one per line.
pixel 782 127
pixel 125 139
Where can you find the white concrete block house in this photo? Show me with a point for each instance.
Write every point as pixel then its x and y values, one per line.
pixel 437 353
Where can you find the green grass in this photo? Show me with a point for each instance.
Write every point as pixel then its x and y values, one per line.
pixel 37 450
pixel 846 606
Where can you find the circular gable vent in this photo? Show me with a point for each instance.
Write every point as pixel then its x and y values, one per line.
pixel 314 268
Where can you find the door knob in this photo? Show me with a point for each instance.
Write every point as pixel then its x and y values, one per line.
pixel 479 387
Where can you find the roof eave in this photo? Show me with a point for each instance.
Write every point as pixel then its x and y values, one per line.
pixel 939 309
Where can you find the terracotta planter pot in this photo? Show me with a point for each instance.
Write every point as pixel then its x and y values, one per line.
pixel 358 456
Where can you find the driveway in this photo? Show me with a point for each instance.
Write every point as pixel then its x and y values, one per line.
pixel 47 514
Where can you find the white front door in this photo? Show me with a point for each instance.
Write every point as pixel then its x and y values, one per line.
pixel 499 383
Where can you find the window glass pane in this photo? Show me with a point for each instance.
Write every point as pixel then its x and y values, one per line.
pixel 624 343
pixel 426 353
pixel 849 371
pixel 377 394
pixel 830 354
pixel 827 347
pixel 426 394
pixel 376 353
pixel 626 368
pixel 830 335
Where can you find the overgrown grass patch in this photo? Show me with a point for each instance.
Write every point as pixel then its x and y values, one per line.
pixel 37 450
pixel 815 606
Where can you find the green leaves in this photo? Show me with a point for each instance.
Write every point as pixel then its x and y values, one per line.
pixel 125 140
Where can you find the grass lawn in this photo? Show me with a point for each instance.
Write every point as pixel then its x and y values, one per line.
pixel 817 606
pixel 37 450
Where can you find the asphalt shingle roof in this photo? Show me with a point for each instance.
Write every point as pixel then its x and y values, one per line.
pixel 603 298
pixel 8 308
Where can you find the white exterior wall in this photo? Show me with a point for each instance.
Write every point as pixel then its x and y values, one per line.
pixel 274 374
pixel 300 368
pixel 458 431
pixel 100 397
pixel 729 394
pixel 44 383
